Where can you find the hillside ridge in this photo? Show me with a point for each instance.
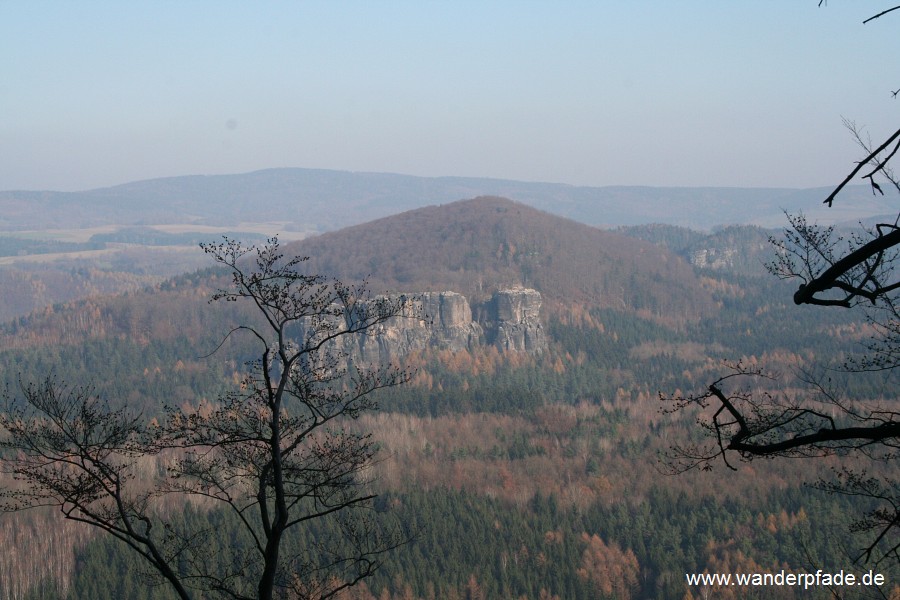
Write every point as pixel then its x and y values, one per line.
pixel 474 247
pixel 480 245
pixel 326 200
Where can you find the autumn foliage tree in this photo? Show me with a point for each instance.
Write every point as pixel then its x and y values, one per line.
pixel 612 571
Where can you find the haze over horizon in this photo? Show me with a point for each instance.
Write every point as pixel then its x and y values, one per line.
pixel 698 94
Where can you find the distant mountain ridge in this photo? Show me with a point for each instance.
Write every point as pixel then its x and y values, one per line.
pixel 325 200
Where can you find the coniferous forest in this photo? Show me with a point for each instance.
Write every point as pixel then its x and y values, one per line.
pixel 449 301
pixel 512 474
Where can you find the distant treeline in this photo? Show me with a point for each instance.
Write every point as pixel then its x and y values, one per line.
pixel 15 246
pixel 147 236
pixel 144 236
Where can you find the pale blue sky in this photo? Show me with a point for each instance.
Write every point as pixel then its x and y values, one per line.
pixel 628 92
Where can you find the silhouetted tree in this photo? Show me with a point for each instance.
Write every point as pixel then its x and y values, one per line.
pixel 276 453
pixel 746 417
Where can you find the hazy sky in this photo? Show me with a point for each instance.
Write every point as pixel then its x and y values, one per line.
pixel 625 92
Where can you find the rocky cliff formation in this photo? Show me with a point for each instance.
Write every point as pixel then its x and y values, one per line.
pixel 516 323
pixel 510 320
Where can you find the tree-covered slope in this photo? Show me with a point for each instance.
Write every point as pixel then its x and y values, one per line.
pixel 478 245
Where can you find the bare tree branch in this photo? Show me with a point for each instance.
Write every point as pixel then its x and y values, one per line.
pixel 881 14
pixel 859 166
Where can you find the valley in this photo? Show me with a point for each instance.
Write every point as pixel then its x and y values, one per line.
pixel 523 471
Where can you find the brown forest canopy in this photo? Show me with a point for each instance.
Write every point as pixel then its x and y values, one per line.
pixel 473 247
pixel 477 246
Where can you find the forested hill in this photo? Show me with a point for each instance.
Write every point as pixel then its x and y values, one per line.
pixel 473 247
pixel 736 249
pixel 477 246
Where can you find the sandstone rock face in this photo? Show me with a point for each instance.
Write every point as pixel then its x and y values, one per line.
pixel 440 320
pixel 444 320
pixel 714 258
pixel 448 319
pixel 516 321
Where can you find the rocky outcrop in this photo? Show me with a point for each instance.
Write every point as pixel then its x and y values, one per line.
pixel 448 317
pixel 516 323
pixel 719 259
pixel 440 320
pixel 445 321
